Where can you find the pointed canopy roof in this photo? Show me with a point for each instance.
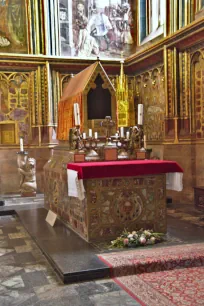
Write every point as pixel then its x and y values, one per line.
pixel 78 83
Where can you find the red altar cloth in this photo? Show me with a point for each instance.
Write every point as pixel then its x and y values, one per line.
pixel 92 170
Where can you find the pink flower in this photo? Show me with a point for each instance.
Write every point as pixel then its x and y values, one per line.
pixel 142 240
pixel 125 241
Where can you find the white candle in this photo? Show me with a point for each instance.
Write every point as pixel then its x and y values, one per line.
pixel 127 135
pixel 90 132
pixel 76 114
pixel 21 144
pixel 140 114
pixel 122 131
pixel 145 141
pixel 95 135
pixel 84 135
pixel 116 135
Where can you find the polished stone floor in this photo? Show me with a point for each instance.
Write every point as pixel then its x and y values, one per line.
pixel 26 277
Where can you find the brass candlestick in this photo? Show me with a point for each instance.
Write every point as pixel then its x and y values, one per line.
pixel 90 144
pixel 123 145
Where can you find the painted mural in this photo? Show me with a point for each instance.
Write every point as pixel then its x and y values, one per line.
pixel 91 28
pixel 13 28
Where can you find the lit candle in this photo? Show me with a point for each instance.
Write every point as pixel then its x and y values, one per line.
pixel 116 135
pixel 76 114
pixel 140 114
pixel 21 144
pixel 95 135
pixel 145 141
pixel 127 135
pixel 84 135
pixel 90 133
pixel 122 131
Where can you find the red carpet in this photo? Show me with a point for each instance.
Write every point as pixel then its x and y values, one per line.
pixel 167 288
pixel 154 259
pixel 161 276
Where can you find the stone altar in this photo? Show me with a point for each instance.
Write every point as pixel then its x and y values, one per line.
pixel 110 205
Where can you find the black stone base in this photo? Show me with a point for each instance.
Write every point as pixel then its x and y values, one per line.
pixel 2 202
pixel 73 258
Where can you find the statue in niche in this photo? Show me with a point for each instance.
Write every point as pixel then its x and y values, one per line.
pixel 27 170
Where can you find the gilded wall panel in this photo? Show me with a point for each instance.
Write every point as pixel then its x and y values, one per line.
pixel 149 90
pixel 15 89
pixel 197 67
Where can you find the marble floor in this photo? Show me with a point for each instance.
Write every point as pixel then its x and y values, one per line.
pixel 26 277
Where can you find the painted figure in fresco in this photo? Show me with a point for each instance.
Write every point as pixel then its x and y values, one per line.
pixel 64 27
pixel 86 43
pixel 99 26
pixel 125 10
pixel 12 23
pixel 115 21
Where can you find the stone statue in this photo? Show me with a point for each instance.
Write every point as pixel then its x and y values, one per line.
pixel 27 171
pixel 75 139
pixel 136 137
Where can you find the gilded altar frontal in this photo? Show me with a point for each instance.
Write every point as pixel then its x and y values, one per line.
pixel 136 52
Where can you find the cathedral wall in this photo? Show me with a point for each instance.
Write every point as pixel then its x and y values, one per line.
pixel 173 98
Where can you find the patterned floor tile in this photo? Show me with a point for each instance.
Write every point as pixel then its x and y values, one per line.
pixel 23 249
pixel 6 271
pixel 24 258
pixel 37 278
pixel 18 235
pixel 13 282
pixel 5 251
pixel 27 279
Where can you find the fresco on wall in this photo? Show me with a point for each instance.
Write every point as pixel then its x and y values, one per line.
pixel 90 28
pixel 13 28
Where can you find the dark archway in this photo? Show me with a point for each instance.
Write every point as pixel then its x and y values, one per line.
pixel 98 101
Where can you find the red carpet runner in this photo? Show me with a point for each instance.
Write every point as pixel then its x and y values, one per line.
pixel 176 278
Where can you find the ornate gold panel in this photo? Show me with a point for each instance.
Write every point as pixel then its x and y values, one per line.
pixel 149 90
pixel 197 81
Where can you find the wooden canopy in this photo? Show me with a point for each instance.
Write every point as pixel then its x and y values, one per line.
pixel 76 92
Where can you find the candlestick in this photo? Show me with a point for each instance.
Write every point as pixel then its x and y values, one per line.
pixel 76 114
pixel 122 131
pixel 140 114
pixel 96 135
pixel 90 133
pixel 84 135
pixel 127 135
pixel 145 141
pixel 21 144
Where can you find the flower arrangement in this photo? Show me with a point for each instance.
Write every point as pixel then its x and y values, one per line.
pixel 137 238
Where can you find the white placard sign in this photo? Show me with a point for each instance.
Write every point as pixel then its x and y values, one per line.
pixel 51 218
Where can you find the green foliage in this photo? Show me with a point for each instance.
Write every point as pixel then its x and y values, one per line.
pixel 137 238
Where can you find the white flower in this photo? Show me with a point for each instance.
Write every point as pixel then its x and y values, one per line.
pixel 131 239
pixel 134 232
pixel 130 236
pixel 147 233
pixel 152 239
